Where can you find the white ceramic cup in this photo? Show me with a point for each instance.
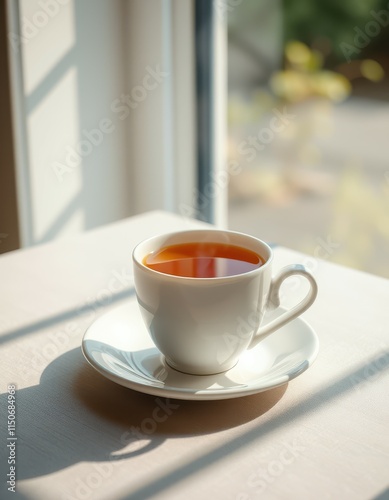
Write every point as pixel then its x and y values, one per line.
pixel 202 325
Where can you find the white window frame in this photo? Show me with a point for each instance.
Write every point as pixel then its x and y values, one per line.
pixel 162 136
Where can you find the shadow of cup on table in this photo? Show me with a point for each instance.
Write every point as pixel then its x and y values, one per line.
pixel 76 415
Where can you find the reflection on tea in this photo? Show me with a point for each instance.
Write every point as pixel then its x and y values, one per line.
pixel 203 260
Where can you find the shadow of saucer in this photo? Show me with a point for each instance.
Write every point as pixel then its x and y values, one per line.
pixel 55 431
pixel 76 415
pixel 127 407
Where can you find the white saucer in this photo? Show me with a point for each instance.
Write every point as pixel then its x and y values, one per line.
pixel 119 347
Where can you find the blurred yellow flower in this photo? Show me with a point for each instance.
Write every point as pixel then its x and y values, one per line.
pixel 305 78
pixel 301 57
pixel 297 53
pixel 295 86
pixel 332 85
pixel 372 70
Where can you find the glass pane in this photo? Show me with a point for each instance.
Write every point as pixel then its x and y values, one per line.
pixel 308 118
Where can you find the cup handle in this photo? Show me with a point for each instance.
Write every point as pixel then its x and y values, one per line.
pixel 274 300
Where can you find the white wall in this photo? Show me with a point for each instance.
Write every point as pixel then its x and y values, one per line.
pixel 104 108
pixel 71 56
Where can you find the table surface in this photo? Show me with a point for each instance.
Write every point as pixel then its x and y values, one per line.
pixel 323 435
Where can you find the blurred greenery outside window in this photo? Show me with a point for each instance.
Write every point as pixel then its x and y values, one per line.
pixel 308 118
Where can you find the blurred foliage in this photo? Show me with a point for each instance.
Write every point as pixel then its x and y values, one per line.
pixel 326 24
pixel 308 37
pixel 304 77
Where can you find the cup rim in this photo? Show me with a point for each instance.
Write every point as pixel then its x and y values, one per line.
pixel 173 277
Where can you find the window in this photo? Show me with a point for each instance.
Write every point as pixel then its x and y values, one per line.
pixel 308 119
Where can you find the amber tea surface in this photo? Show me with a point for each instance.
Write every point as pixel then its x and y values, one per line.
pixel 203 260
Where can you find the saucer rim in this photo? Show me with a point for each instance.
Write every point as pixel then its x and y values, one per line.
pixel 204 394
